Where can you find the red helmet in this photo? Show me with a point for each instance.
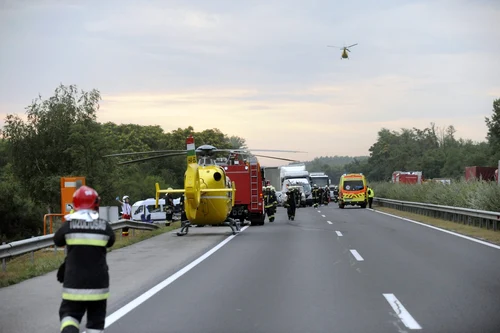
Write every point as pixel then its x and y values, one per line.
pixel 86 198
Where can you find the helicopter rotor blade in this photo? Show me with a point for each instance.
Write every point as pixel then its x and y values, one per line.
pixel 151 158
pixel 333 46
pixel 145 152
pixel 353 45
pixel 277 158
pixel 245 150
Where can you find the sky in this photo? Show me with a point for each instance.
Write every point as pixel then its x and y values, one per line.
pixel 262 69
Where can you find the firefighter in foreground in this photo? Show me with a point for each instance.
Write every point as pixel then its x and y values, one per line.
pixel 84 273
pixel 270 203
pixel 291 203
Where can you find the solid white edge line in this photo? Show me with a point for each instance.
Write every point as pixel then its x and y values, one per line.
pixel 323 215
pixel 112 318
pixel 339 233
pixel 402 313
pixel 440 229
pixel 329 222
pixel 357 255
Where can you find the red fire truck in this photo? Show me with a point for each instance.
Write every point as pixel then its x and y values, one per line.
pixel 249 200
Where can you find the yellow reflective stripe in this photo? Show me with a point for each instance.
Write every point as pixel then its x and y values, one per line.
pixel 69 321
pixel 82 238
pixel 84 235
pixel 86 242
pixel 72 294
pixel 92 297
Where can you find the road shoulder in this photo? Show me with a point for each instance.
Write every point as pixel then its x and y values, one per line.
pixel 463 229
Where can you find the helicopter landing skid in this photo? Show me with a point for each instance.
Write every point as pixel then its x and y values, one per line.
pixel 233 224
pixel 185 228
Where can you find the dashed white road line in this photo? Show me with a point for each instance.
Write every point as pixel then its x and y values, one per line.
pixel 329 222
pixel 323 215
pixel 151 292
pixel 319 211
pixel 357 255
pixel 402 313
pixel 339 233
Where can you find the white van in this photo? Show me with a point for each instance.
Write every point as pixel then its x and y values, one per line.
pixel 145 211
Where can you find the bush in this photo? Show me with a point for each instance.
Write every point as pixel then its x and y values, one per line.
pixel 475 194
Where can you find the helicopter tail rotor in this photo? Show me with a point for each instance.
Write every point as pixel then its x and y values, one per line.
pixel 192 190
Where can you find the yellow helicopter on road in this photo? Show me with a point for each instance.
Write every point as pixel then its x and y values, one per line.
pixel 209 194
pixel 344 49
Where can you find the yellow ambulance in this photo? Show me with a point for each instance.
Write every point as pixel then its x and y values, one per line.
pixel 352 190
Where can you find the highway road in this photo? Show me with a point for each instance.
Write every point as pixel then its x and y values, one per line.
pixel 330 270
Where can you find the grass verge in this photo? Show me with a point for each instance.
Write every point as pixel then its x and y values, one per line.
pixel 46 260
pixel 467 230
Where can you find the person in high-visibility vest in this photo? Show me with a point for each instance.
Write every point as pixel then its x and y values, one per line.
pixel 371 194
pixel 84 273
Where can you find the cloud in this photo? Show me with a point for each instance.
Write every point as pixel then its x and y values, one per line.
pixel 261 69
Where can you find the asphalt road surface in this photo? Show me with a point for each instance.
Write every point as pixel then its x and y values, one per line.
pixel 330 270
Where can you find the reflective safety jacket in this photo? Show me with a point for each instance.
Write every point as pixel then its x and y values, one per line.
pixel 86 276
pixel 371 194
pixel 270 199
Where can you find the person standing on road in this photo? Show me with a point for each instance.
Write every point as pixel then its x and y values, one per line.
pixel 269 203
pixel 84 273
pixel 169 206
pixel 371 194
pixel 291 203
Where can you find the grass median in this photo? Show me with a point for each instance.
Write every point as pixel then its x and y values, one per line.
pixel 467 230
pixel 47 260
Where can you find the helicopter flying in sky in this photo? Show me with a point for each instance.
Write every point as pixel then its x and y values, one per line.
pixel 344 49
pixel 209 193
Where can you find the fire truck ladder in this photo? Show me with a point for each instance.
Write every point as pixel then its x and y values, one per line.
pixel 254 187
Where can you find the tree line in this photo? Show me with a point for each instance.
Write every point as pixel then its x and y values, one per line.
pixel 60 136
pixel 437 152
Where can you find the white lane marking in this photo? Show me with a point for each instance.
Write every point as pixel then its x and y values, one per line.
pixel 402 313
pixel 329 222
pixel 339 233
pixel 436 228
pixel 319 211
pixel 357 255
pixel 151 292
pixel 323 215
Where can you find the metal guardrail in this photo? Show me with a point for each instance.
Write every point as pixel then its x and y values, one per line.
pixel 37 243
pixel 478 218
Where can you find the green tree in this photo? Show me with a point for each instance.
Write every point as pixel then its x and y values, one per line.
pixel 59 138
pixel 493 135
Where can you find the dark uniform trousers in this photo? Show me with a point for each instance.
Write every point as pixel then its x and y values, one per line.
pixel 72 312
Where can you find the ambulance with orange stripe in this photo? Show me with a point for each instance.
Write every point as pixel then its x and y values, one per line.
pixel 352 190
